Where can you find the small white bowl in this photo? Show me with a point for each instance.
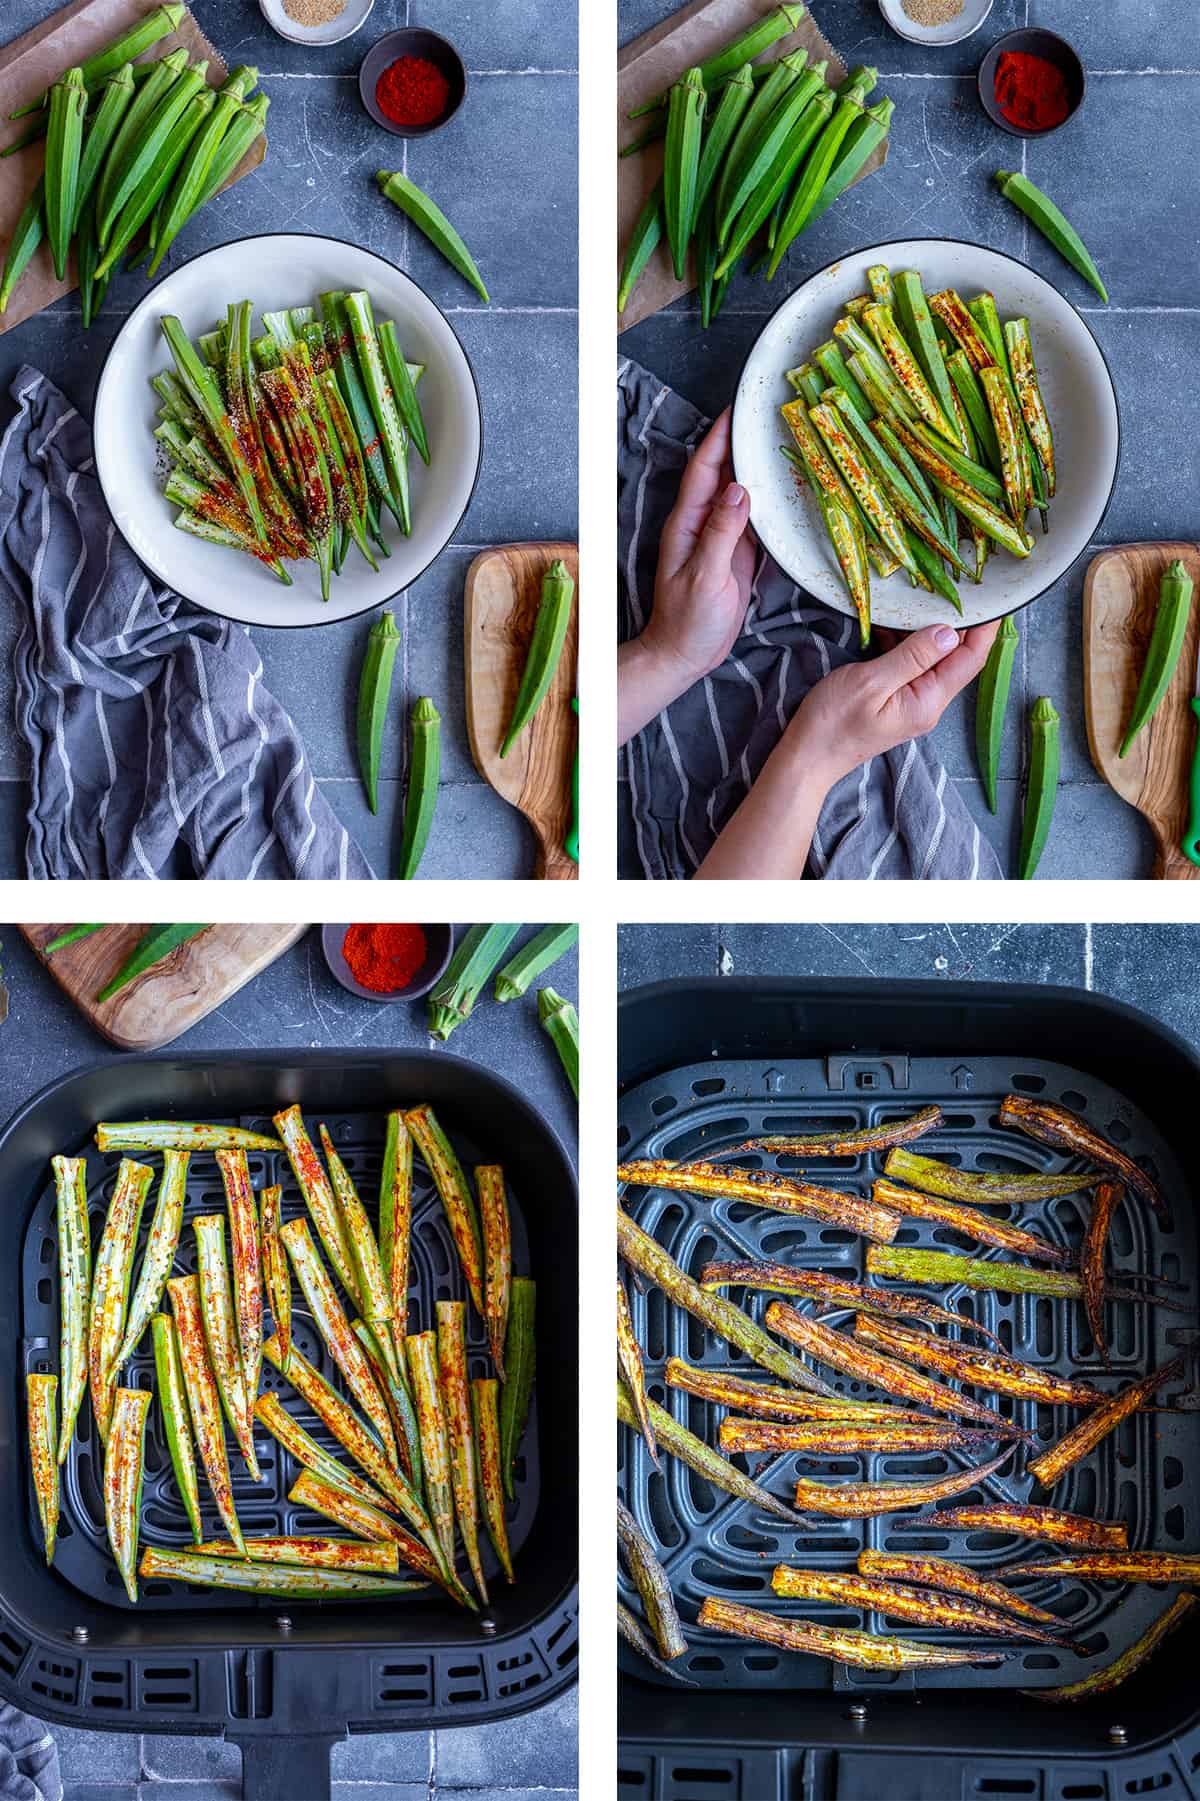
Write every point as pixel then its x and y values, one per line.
pixel 344 26
pixel 971 17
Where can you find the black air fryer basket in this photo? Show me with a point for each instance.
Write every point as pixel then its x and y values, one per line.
pixel 707 1064
pixel 284 1679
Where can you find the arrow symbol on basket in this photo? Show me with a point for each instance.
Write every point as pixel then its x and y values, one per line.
pixel 963 1077
pixel 772 1080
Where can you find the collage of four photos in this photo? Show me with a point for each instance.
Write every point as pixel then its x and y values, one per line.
pixel 307 1425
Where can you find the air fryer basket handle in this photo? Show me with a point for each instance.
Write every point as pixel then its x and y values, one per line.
pixel 294 1767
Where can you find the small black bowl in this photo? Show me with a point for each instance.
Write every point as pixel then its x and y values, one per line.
pixel 439 942
pixel 1056 50
pixel 411 40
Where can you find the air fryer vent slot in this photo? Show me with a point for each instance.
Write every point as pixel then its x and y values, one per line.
pixel 712 1543
pixel 106 1687
pixel 56 1680
pixel 12 1651
pixel 168 1688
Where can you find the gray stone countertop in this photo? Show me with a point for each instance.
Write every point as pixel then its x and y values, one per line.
pixel 504 170
pixel 297 1003
pixel 1115 172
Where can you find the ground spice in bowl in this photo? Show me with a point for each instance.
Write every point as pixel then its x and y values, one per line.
pixel 1031 91
pixel 384 958
pixel 314 12
pixel 412 91
pixel 932 12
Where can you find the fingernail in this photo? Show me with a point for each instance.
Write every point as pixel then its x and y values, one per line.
pixel 733 495
pixel 945 637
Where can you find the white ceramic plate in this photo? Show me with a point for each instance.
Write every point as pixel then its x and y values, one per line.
pixel 1075 382
pixel 288 269
pixel 353 15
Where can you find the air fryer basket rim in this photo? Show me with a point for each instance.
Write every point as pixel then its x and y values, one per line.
pixel 652 1720
pixel 555 1623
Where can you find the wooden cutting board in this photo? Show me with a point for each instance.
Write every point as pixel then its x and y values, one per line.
pixel 171 997
pixel 1120 596
pixel 504 587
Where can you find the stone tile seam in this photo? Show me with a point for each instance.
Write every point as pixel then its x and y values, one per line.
pixel 320 75
pixel 944 75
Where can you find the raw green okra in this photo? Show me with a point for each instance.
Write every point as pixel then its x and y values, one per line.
pixel 177 1428
pixel 432 221
pixel 991 702
pixel 1041 786
pixel 520 1351
pixel 420 799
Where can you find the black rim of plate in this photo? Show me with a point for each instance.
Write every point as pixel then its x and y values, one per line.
pixel 285 625
pixel 962 244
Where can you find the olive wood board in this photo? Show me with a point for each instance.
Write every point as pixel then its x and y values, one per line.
pixel 646 68
pixel 1120 597
pixel 169 998
pixel 28 66
pixel 504 588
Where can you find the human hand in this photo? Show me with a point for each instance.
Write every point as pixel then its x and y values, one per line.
pixel 861 709
pixel 705 566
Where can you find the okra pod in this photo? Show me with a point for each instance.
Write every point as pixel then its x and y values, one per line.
pixel 982 1188
pixel 318 1194
pixel 909 1263
pixel 880 321
pixel 313 1553
pixel 969 395
pixel 1023 370
pixel 310 1491
pixel 545 650
pixel 124 1467
pixel 675 1438
pixel 177 1428
pixel 1116 1566
pixel 75 1287
pixel 374 691
pixel 497 1257
pixel 833 365
pixel 393 442
pixel 1007 429
pixel 1102 1681
pixel 420 800
pixel 270 1412
pixel 334 1328
pixel 455 1194
pixel 865 1650
pixel 204 1404
pixel 653 1585
pixel 189 182
pixel 722 127
pixel 816 172
pixel 520 1356
pixel 395 1219
pixel 941 1573
pixel 247 1265
pixel 370 1283
pixel 766 1401
pixel 969 1221
pixel 1163 651
pixel 485 1416
pixel 1095 1426
pixel 41 1397
pixel 110 1285
pixel 456 1411
pixel 768 199
pixel 275 1269
pixel 631 1370
pixel 150 189
pixel 145 1135
pixel 902 495
pixel 948 308
pixel 923 1606
pixel 559 1019
pixel 967 468
pixel 1041 211
pixel 778 108
pixel 781 1194
pixel 137 153
pixel 681 163
pixel 220 1333
pixel 834 1294
pixel 750 43
pixel 64 145
pixel 866 1500
pixel 161 1247
pixel 1091 1261
pixel 476 955
pixel 268 1578
pixel 848 1438
pixel 853 1359
pixel 421 1351
pixel 990 1370
pixel 991 702
pixel 393 1386
pixel 862 483
pixel 432 222
pixel 998 526
pixel 1065 1131
pixel 1046 1524
pixel 861 141
pixel 856 1143
pixel 848 538
pixel 534 959
pixel 645 1255
pixel 142 35
pixel 643 242
pixel 632 1632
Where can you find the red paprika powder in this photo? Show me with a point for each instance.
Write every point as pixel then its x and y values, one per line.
pixel 384 958
pixel 412 91
pixel 1031 91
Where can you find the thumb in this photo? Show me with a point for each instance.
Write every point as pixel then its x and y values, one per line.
pixel 919 652
pixel 727 520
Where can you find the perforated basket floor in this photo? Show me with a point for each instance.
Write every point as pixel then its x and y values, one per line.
pixel 714 1544
pixel 82 1556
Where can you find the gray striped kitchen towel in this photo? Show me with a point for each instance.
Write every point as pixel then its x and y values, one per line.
pixel 898 817
pixel 155 749
pixel 29 1769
